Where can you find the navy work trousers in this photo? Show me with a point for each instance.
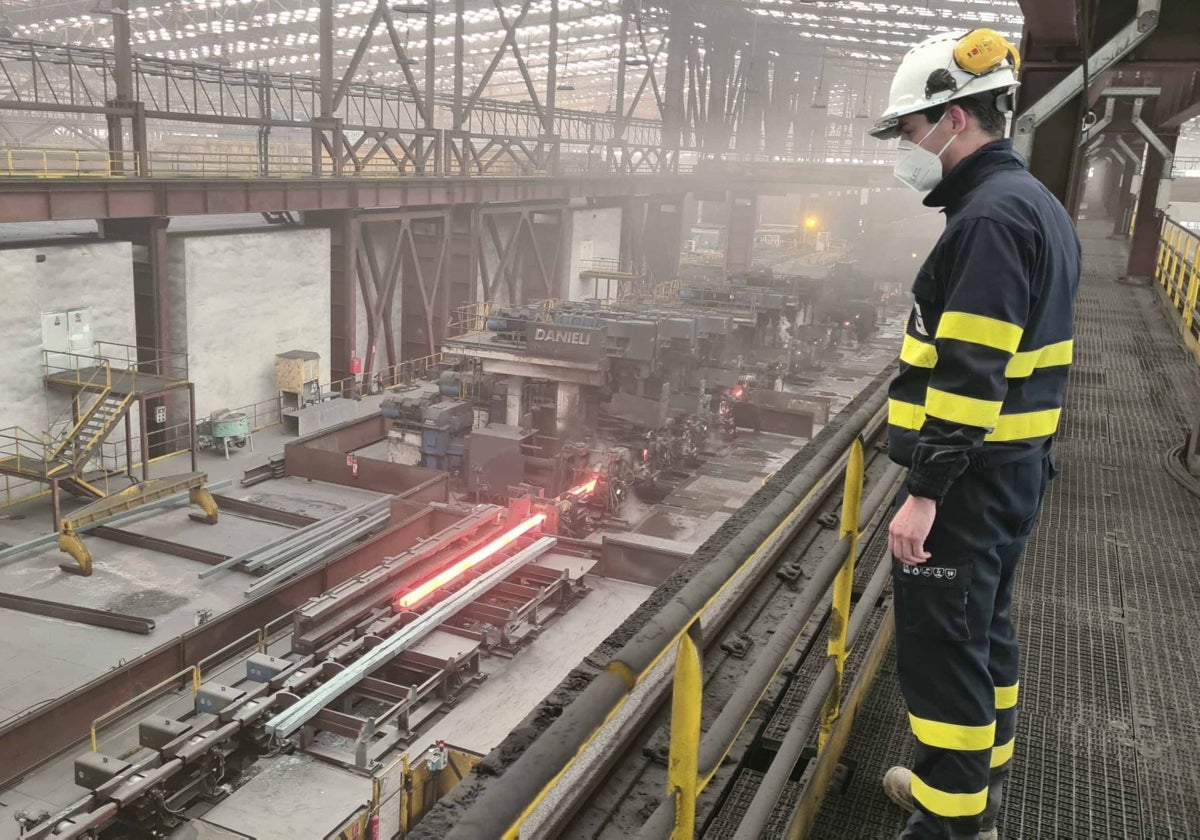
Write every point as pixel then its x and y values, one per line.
pixel 956 646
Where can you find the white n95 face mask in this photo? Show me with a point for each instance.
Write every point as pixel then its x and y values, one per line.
pixel 916 166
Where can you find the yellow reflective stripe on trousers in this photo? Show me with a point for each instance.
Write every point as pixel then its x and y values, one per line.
pixel 1031 424
pixel 967 411
pixel 945 804
pixel 918 353
pixel 1003 753
pixel 1006 695
pixel 1023 364
pixel 979 329
pixel 952 736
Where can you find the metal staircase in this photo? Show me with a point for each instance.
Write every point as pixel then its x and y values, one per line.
pixel 71 453
pixel 62 454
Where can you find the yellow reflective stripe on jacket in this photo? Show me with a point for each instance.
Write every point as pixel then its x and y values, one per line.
pixel 1032 424
pixel 979 329
pixel 965 410
pixel 1003 753
pixel 905 415
pixel 945 804
pixel 1027 361
pixel 918 353
pixel 952 736
pixel 1006 695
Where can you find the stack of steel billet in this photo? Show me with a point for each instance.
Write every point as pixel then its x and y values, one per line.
pixel 295 716
pixel 314 549
pixel 295 543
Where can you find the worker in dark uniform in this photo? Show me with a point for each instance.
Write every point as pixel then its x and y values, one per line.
pixel 972 413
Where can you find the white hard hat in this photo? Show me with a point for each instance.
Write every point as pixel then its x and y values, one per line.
pixel 946 67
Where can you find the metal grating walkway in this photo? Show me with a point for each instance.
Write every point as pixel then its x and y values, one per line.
pixel 1108 604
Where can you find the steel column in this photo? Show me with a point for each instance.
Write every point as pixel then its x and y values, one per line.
pixel 1147 227
pixel 1100 61
pixel 673 106
pixel 739 239
pixel 344 232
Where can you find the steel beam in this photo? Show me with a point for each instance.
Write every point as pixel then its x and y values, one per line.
pixel 267 514
pixel 1101 61
pixel 673 104
pixel 1051 21
pixel 188 552
pixel 1143 250
pixel 77 614
pixel 291 719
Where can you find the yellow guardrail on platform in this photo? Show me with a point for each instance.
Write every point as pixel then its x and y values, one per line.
pixel 1178 276
pixel 685 780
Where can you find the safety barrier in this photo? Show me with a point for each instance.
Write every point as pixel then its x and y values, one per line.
pixel 419 154
pixel 695 757
pixel 1178 276
pixel 538 787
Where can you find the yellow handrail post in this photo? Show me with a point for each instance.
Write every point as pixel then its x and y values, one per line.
pixel 1191 251
pixel 683 765
pixel 1189 311
pixel 1161 263
pixel 842 585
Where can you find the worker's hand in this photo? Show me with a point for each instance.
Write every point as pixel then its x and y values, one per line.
pixel 909 529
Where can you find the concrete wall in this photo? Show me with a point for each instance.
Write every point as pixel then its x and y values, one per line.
pixel 95 275
pixel 240 299
pixel 596 231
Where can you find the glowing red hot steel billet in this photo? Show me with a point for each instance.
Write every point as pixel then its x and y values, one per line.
pixel 583 489
pixel 423 590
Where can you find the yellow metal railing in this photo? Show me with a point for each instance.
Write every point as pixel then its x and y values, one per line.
pixel 842 585
pixel 1178 275
pixel 685 780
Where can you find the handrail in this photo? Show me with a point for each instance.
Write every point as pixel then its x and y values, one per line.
pixel 55 442
pixel 1177 272
pixel 432 154
pixel 641 670
pixel 834 572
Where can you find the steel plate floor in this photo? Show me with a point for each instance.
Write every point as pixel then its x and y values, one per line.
pixel 1108 603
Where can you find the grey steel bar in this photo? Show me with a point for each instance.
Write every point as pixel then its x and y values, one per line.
pixel 291 719
pixel 282 546
pixel 754 821
pixel 301 541
pixel 502 803
pixel 301 563
pixel 77 614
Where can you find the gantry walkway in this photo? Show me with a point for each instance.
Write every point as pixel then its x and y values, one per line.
pixel 1108 603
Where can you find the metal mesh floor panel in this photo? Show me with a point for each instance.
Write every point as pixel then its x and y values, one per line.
pixel 1108 604
pixel 726 823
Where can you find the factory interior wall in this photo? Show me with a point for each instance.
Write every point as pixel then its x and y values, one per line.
pixel 595 234
pixel 241 299
pixel 93 275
